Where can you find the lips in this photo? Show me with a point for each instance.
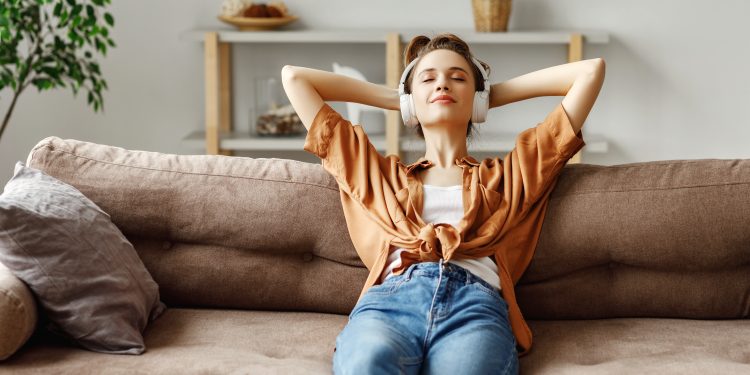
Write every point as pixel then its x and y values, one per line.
pixel 443 97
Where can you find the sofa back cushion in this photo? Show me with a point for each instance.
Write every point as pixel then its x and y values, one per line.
pixel 220 231
pixel 660 239
pixel 665 238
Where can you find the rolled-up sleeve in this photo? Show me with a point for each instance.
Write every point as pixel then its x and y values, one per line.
pixel 558 125
pixel 319 135
pixel 347 153
pixel 540 154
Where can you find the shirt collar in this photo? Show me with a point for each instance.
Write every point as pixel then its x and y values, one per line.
pixel 422 163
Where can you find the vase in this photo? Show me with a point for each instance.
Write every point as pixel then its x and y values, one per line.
pixel 274 115
pixel 491 15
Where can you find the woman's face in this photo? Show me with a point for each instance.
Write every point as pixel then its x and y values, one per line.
pixel 443 72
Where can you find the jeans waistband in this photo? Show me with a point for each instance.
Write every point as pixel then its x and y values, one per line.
pixel 450 270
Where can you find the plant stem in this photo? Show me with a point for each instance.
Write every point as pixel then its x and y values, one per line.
pixel 10 110
pixel 21 86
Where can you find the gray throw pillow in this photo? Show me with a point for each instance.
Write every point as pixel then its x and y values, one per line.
pixel 89 280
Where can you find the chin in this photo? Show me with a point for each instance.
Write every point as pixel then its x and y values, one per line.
pixel 441 123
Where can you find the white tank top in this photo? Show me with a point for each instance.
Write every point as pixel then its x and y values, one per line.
pixel 444 204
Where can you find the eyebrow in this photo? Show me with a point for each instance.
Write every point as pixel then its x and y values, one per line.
pixel 451 68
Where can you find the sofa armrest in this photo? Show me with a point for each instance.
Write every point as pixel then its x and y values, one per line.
pixel 18 313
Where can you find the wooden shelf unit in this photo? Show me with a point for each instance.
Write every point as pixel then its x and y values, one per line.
pixel 221 140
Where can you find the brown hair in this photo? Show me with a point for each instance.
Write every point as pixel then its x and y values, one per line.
pixel 421 45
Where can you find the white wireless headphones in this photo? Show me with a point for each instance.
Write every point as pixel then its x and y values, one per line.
pixel 481 98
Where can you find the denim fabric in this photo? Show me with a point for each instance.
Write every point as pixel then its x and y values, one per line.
pixel 434 318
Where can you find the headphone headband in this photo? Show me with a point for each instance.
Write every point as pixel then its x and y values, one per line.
pixel 403 77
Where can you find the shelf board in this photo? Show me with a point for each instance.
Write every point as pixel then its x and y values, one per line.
pixel 379 36
pixel 239 140
pixel 244 141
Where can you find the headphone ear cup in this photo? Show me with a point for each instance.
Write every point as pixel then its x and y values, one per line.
pixel 405 103
pixel 481 106
pixel 413 121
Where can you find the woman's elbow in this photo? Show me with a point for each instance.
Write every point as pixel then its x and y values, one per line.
pixel 288 72
pixel 597 65
pixel 595 70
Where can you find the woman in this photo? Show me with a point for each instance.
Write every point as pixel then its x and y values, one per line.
pixel 445 238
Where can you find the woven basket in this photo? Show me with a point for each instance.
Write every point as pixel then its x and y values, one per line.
pixel 491 15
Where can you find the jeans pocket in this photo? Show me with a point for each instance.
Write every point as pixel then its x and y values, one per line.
pixel 494 292
pixel 384 289
pixel 388 286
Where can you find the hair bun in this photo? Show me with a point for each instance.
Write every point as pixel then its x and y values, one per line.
pixel 415 45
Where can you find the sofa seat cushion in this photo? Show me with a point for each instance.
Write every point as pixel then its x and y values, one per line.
pixel 639 346
pixel 199 341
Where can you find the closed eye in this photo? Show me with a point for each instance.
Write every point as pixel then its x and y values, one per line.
pixel 458 79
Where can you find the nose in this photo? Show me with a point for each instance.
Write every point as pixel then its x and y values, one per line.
pixel 442 86
pixel 442 83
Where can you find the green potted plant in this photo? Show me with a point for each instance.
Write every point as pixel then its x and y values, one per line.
pixel 48 43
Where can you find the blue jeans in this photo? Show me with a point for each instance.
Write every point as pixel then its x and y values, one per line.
pixel 435 317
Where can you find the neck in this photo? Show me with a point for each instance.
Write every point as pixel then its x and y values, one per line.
pixel 444 145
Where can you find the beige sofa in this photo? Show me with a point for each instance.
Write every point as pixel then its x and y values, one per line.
pixel 640 268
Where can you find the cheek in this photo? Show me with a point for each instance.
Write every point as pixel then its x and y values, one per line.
pixel 419 96
pixel 420 101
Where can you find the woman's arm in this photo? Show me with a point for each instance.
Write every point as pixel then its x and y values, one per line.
pixel 579 81
pixel 308 88
pixel 345 150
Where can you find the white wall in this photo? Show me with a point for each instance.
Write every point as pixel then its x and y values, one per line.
pixel 676 84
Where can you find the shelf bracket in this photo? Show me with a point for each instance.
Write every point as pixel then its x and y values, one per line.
pixel 217 65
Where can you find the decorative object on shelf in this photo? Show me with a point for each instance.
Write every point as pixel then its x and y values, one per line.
pixel 353 110
pixel 248 15
pixel 491 15
pixel 275 115
pixel 273 9
pixel 282 121
pixel 231 8
pixel 253 24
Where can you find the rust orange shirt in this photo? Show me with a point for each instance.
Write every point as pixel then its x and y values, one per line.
pixel 504 200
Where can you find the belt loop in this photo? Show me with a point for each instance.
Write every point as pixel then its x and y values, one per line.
pixel 409 271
